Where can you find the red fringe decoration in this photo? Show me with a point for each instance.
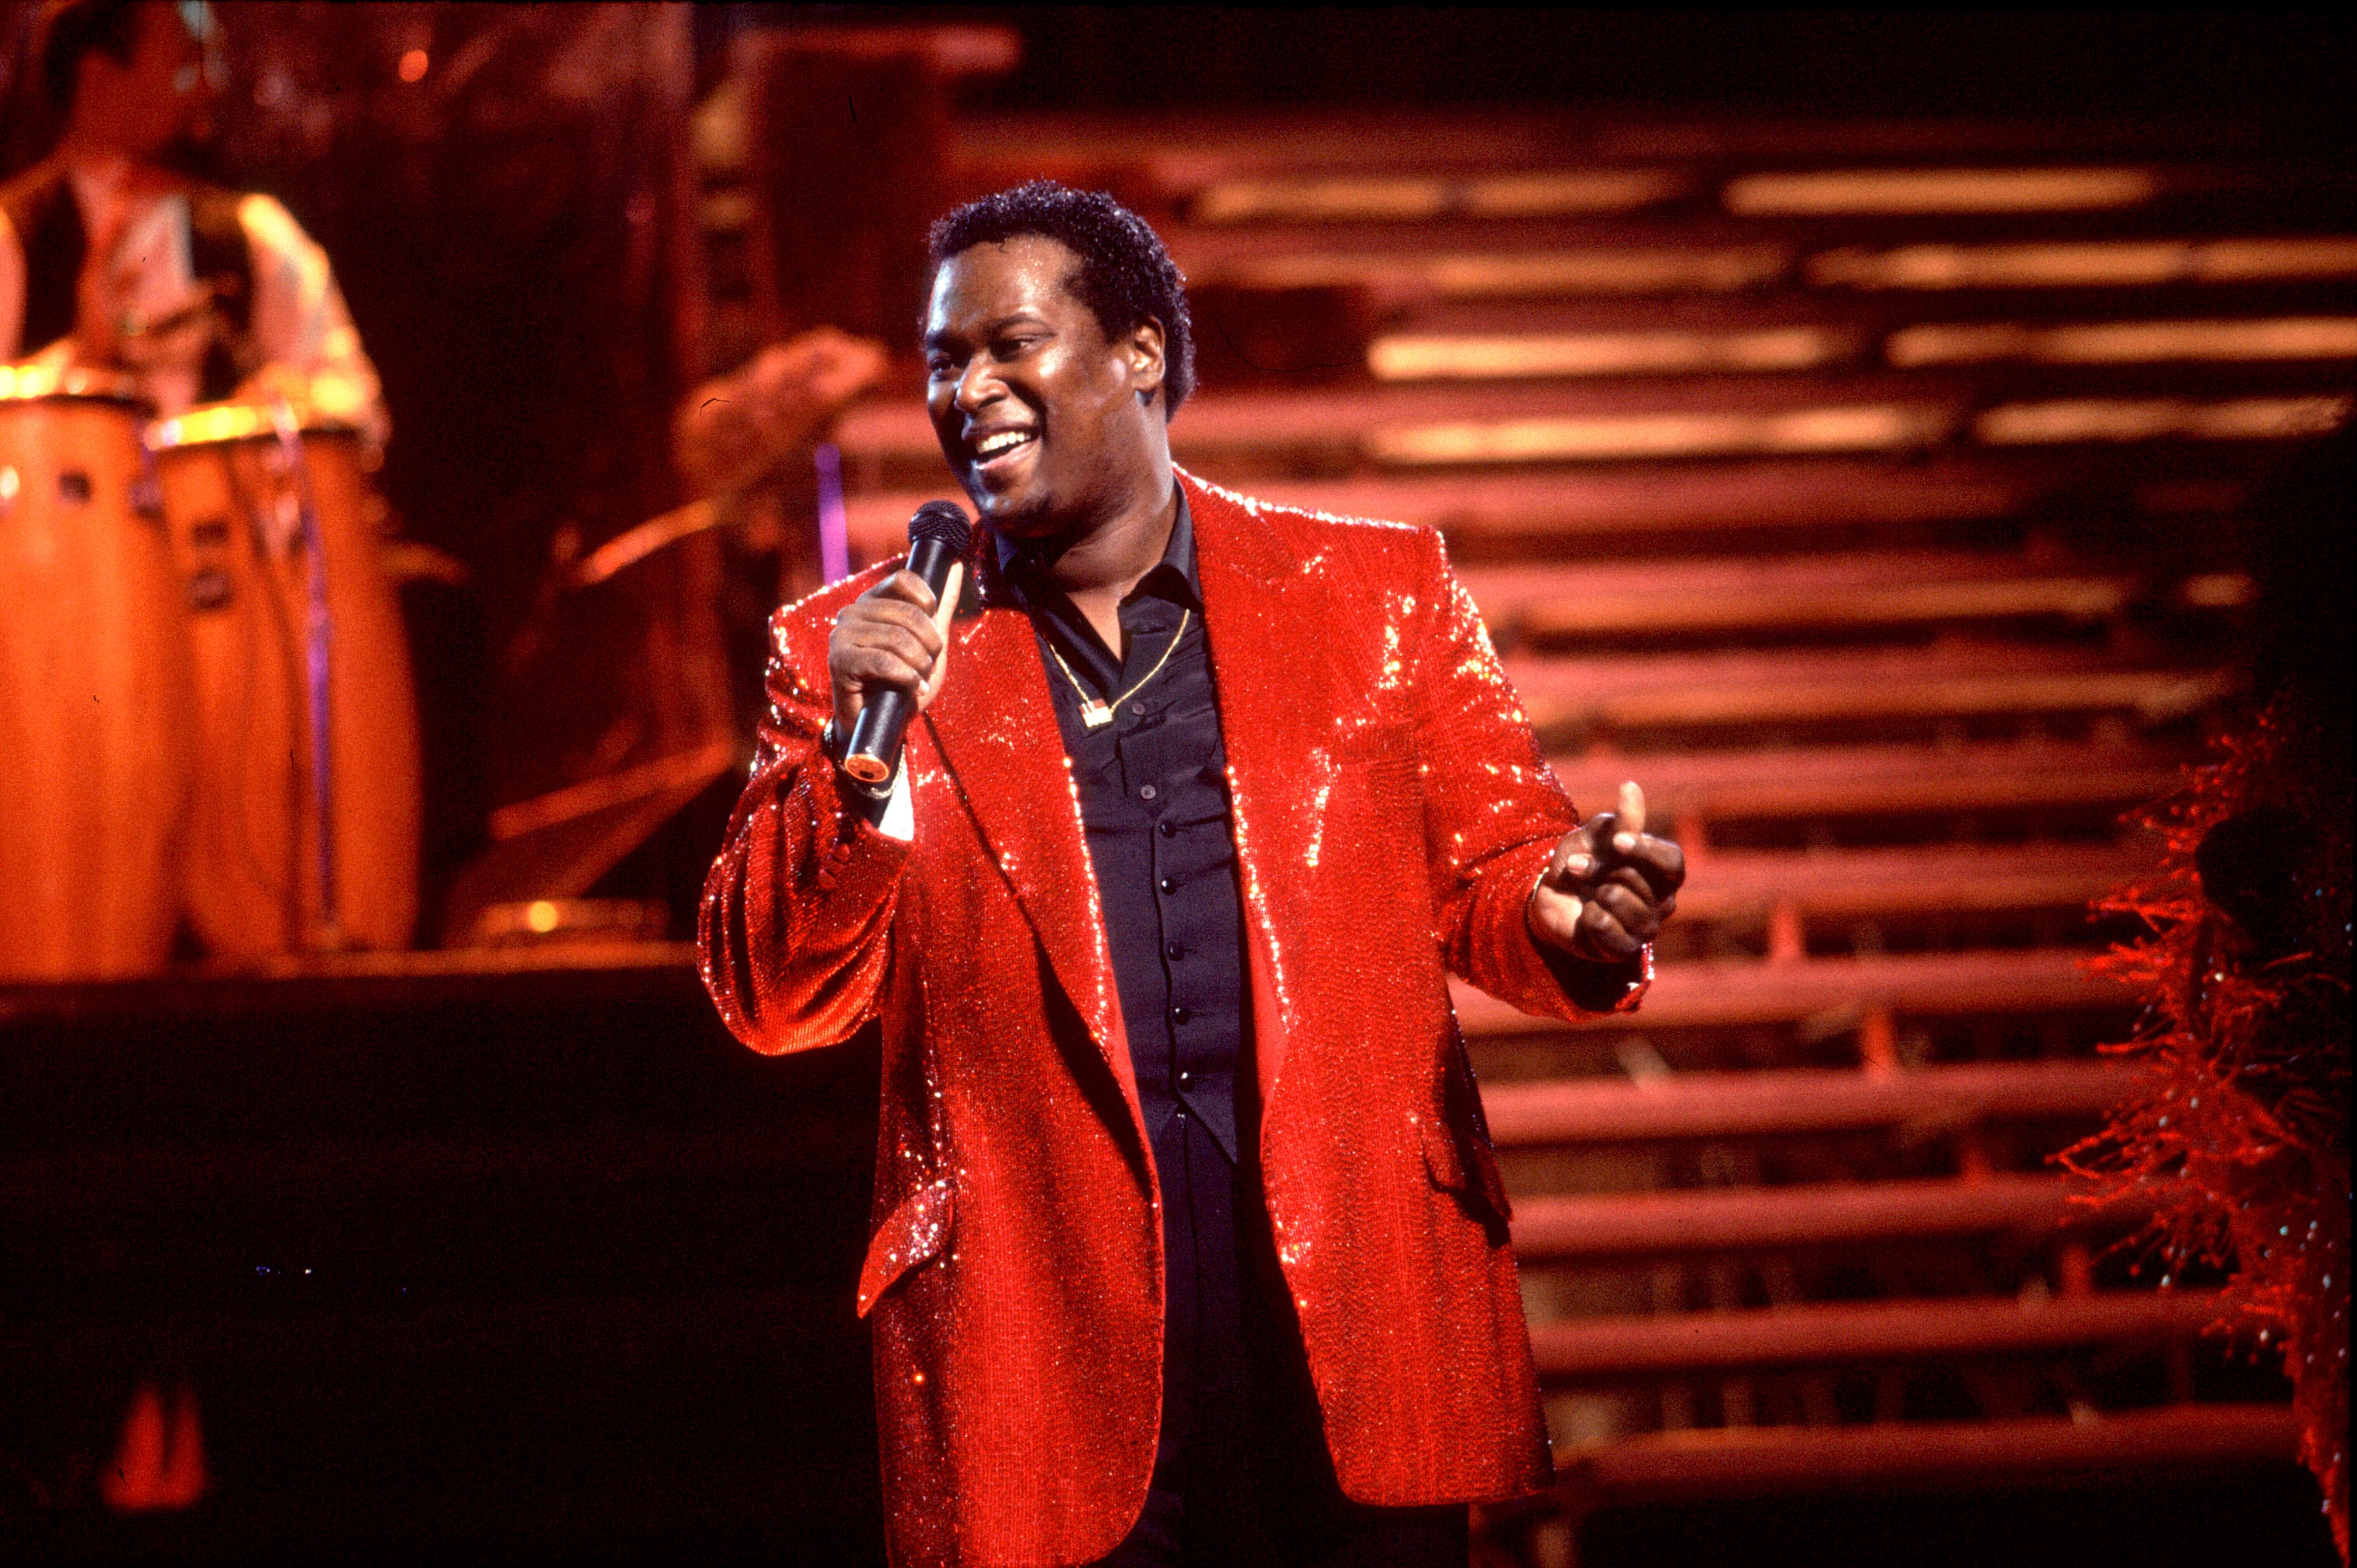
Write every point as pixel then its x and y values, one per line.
pixel 2242 1128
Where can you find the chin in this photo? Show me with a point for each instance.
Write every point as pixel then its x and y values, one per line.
pixel 1018 515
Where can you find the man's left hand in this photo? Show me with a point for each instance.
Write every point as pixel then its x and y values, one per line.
pixel 1610 886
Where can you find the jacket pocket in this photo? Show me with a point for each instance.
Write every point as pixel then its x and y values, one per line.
pixel 1457 1153
pixel 1470 1172
pixel 913 1233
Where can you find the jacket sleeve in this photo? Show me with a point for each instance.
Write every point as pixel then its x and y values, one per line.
pixel 1493 813
pixel 794 931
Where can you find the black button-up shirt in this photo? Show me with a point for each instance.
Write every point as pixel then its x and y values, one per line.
pixel 1154 800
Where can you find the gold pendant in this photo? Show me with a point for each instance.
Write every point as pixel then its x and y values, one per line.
pixel 1095 714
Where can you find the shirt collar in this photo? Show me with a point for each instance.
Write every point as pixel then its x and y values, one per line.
pixel 1173 577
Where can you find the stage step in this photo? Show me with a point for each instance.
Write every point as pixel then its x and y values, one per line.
pixel 1759 504
pixel 1325 432
pixel 1169 155
pixel 1613 1349
pixel 1437 192
pixel 1790 595
pixel 1401 268
pixel 1850 325
pixel 1727 886
pixel 1644 703
pixel 1553 1229
pixel 1786 1100
pixel 1810 784
pixel 1718 994
pixel 2142 1446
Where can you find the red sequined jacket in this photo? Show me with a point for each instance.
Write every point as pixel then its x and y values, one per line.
pixel 1392 812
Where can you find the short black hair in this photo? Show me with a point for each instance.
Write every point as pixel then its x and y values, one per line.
pixel 70 29
pixel 1125 277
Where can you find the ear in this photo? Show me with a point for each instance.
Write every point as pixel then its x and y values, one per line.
pixel 1142 350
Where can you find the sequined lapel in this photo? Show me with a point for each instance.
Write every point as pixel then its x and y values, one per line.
pixel 1264 667
pixel 995 724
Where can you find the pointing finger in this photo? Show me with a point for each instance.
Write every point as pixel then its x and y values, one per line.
pixel 946 605
pixel 942 610
pixel 1629 815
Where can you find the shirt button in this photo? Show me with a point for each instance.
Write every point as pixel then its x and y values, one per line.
pixel 1167 885
pixel 1180 1114
pixel 1167 829
pixel 1179 1015
pixel 1173 950
pixel 1186 1081
pixel 1137 708
pixel 1146 791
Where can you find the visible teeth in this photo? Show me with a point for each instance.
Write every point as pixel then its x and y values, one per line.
pixel 991 446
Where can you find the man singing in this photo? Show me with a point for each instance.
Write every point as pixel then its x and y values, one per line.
pixel 1191 1245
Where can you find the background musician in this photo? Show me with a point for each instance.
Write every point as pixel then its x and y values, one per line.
pixel 111 254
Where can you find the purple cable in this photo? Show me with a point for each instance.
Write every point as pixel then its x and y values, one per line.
pixel 317 641
pixel 834 524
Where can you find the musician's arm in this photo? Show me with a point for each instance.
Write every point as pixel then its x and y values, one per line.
pixel 300 324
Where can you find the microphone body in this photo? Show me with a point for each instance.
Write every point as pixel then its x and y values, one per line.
pixel 938 537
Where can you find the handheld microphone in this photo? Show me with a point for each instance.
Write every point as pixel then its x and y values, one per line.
pixel 938 537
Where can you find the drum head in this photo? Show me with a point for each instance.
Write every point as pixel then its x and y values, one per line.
pixel 36 380
pixel 212 423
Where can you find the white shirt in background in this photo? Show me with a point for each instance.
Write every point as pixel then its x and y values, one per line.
pixel 298 322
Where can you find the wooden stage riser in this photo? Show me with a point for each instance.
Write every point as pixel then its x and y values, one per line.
pixel 1177 152
pixel 1768 507
pixel 2023 1452
pixel 1913 811
pixel 1920 433
pixel 1768 934
pixel 1592 1227
pixel 1611 1349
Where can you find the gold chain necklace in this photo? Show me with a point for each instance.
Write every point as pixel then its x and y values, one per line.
pixel 1096 714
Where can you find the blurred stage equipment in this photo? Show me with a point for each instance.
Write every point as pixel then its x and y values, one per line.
pixel 847 147
pixel 95 693
pixel 303 830
pixel 630 683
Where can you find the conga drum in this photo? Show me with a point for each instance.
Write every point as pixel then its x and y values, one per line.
pixel 95 699
pixel 243 495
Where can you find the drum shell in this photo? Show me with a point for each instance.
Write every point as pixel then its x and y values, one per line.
pixel 252 879
pixel 96 700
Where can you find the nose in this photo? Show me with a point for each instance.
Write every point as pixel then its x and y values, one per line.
pixel 978 388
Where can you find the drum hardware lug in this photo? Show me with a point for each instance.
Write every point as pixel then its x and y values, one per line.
pixel 212 532
pixel 281 527
pixel 10 484
pixel 147 498
pixel 210 589
pixel 73 485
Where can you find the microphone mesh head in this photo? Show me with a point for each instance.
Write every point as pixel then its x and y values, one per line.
pixel 944 522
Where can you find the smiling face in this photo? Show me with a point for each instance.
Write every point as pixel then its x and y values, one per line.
pixel 1050 427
